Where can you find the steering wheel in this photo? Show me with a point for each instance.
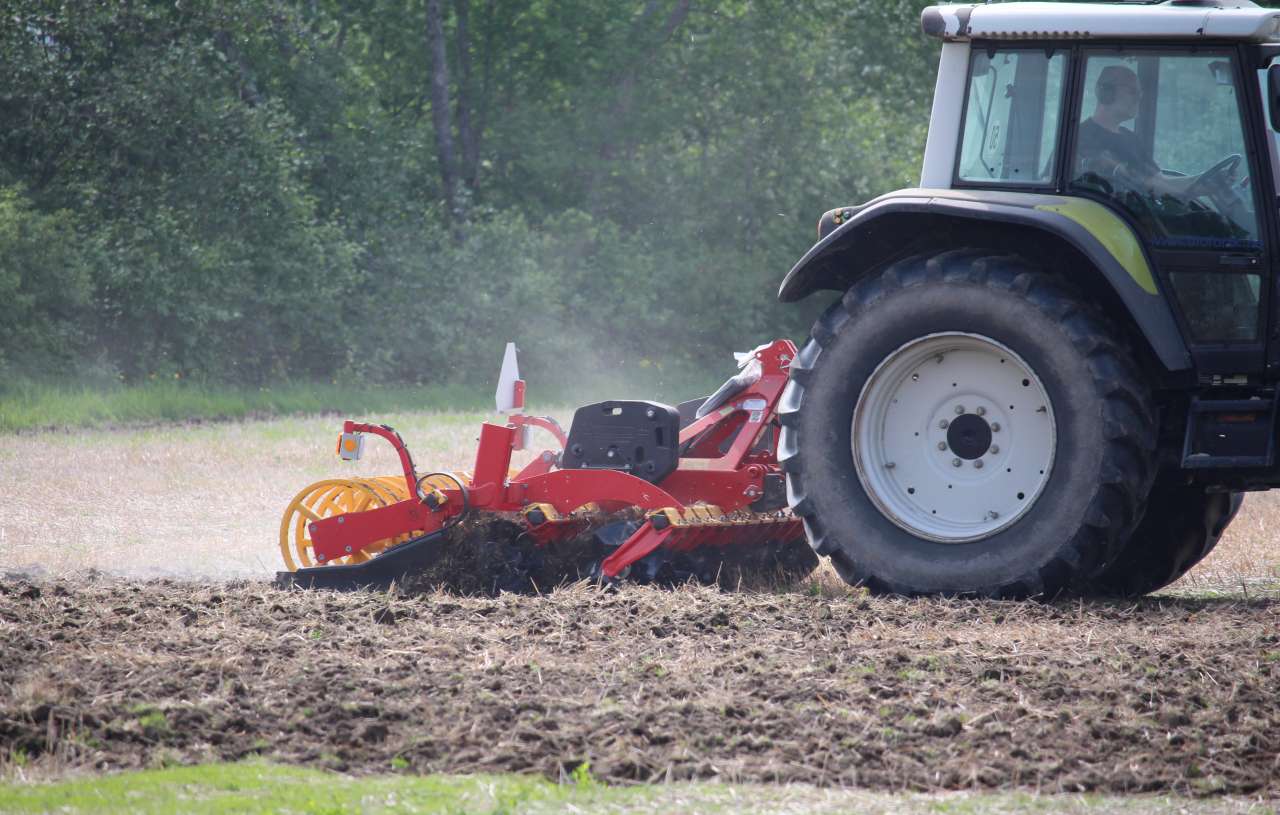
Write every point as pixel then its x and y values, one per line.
pixel 1215 178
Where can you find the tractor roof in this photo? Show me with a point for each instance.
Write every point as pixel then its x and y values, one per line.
pixel 1225 20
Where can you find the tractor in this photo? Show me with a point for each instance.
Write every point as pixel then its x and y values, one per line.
pixel 1051 367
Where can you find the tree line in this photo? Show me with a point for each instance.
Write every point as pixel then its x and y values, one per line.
pixel 247 191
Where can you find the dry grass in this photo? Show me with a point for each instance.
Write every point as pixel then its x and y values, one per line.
pixel 185 500
pixel 1248 557
pixel 205 500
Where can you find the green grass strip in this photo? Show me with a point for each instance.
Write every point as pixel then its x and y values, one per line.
pixel 261 787
pixel 27 405
pixel 32 406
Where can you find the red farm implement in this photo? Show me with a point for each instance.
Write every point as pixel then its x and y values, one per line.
pixel 637 490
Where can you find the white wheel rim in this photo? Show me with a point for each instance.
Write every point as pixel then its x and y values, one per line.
pixel 918 437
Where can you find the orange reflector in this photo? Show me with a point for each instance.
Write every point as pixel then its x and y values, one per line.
pixel 1238 418
pixel 350 446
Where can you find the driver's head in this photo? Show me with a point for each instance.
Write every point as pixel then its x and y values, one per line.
pixel 1118 93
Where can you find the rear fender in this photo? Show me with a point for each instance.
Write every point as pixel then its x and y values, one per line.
pixel 860 240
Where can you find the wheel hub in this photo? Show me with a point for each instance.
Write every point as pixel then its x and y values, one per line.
pixel 969 436
pixel 953 437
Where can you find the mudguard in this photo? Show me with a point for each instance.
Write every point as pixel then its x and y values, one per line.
pixel 844 253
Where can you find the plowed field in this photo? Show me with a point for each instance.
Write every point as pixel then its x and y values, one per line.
pixel 1169 695
pixel 1178 694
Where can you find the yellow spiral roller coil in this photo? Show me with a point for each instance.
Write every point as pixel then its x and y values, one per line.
pixel 339 496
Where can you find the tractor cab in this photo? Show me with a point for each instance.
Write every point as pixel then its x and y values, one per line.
pixel 1157 112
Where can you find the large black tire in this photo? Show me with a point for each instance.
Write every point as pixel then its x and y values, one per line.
pixel 1090 498
pixel 1181 526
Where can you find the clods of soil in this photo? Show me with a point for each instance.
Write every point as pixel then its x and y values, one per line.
pixel 1163 695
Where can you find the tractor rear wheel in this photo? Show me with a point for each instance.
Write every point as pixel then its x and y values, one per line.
pixel 966 424
pixel 1181 526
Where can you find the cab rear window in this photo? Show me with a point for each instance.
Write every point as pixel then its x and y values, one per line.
pixel 1011 119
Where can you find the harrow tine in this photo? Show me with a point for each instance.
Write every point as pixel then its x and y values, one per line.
pixel 643 542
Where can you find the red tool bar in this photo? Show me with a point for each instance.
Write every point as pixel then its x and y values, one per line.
pixel 341 535
pixel 567 490
pixel 729 490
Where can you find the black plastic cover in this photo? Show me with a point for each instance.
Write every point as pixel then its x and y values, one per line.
pixel 392 566
pixel 641 438
pixel 689 411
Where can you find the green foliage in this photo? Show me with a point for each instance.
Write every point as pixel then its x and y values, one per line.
pixel 581 777
pixel 249 191
pixel 44 284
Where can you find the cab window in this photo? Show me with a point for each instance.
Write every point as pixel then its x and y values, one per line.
pixel 1162 137
pixel 1011 116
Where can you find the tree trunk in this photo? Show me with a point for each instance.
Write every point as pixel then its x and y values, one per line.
pixel 468 135
pixel 441 119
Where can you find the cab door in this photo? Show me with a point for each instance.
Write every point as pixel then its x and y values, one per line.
pixel 1161 137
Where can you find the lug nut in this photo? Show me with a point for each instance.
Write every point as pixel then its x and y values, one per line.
pixel 959 410
pixel 981 411
pixel 995 448
pixel 942 445
pixel 944 424
pixel 995 427
pixel 977 465
pixel 889 465
pixel 992 514
pixel 955 462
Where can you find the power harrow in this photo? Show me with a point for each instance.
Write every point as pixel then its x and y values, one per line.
pixel 635 490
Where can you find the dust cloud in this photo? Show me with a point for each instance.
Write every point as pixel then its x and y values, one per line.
pixel 204 502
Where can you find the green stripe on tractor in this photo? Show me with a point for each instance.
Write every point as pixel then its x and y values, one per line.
pixel 1110 231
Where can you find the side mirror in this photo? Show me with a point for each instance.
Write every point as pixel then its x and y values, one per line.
pixel 1273 96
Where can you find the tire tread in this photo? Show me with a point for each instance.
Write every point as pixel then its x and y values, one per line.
pixel 1129 453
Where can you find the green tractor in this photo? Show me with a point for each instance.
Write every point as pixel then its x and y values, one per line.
pixel 1053 366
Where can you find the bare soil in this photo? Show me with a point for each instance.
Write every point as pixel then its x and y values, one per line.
pixel 1167 695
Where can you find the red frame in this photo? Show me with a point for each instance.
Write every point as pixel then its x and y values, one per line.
pixel 730 480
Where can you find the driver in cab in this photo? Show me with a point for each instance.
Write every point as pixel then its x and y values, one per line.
pixel 1114 152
